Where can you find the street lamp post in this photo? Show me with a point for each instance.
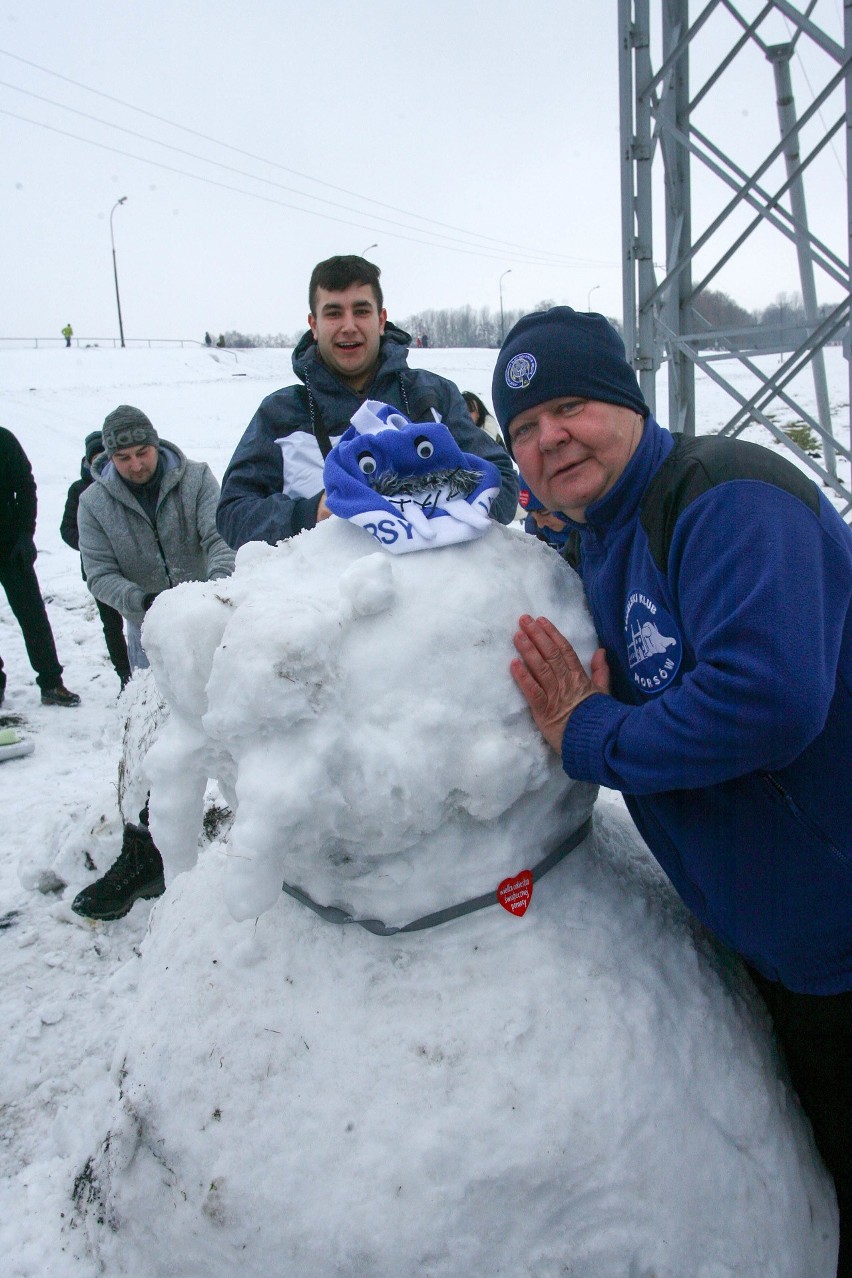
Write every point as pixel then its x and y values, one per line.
pixel 114 267
pixel 589 298
pixel 500 286
pixel 367 249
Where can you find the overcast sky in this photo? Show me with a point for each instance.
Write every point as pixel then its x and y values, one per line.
pixel 464 139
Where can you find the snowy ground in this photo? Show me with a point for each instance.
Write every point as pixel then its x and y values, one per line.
pixel 69 988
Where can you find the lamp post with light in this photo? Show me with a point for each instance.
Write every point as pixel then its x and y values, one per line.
pixel 500 286
pixel 114 267
pixel 589 298
pixel 365 251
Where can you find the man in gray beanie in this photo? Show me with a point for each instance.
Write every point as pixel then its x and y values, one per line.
pixel 147 523
pixel 720 580
pixel 127 427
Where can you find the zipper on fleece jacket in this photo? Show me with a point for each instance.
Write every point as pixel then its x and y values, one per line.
pixel 162 555
pixel 159 545
pixel 801 817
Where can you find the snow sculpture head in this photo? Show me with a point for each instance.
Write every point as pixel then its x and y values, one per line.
pixel 358 711
pixel 408 483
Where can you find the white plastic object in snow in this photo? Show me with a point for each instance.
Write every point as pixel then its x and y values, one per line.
pixel 12 746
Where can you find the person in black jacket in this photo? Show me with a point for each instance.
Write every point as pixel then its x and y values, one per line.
pixel 17 574
pixel 273 487
pixel 111 620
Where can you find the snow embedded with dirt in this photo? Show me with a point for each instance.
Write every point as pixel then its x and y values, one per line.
pixel 286 1096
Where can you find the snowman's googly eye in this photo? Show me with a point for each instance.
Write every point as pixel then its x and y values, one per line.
pixel 367 463
pixel 424 447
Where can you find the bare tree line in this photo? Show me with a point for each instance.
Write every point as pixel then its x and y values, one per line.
pixel 468 326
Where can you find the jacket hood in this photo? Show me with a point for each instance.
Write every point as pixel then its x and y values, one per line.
pixel 306 356
pixel 174 465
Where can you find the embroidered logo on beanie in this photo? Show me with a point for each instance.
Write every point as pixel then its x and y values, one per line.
pixel 520 370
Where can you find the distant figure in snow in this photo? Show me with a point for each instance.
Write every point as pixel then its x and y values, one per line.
pixel 111 619
pixel 728 725
pixel 18 576
pixel 221 340
pixel 67 333
pixel 146 523
pixel 208 340
pixel 424 340
pixel 273 487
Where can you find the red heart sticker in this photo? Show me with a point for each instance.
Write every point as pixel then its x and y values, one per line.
pixel 515 894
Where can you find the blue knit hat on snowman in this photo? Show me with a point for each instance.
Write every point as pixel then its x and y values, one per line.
pixel 559 352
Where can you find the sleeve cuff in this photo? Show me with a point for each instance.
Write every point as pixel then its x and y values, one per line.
pixel 305 512
pixel 592 724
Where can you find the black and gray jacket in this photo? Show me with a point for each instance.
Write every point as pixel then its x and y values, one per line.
pixel 272 487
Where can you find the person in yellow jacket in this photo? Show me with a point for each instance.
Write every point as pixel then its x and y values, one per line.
pixel 67 333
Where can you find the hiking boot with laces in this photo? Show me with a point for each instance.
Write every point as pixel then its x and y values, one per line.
pixel 136 875
pixel 59 696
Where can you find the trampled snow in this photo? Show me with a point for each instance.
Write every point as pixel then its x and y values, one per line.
pixel 587 1090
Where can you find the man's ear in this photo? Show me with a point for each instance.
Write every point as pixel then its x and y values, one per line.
pixel 312 325
pixel 383 319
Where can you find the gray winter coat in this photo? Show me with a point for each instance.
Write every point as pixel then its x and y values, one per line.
pixel 126 556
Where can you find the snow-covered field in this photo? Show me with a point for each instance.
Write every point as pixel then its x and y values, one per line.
pixel 78 1000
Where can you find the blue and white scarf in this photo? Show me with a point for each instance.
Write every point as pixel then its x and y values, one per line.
pixel 408 483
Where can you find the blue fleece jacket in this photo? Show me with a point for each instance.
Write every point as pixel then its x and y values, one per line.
pixel 729 730
pixel 272 487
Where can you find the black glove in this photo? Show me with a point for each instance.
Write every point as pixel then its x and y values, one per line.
pixel 23 553
pixel 149 599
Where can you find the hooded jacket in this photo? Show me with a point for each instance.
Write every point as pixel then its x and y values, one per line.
pixel 126 556
pixel 272 487
pixel 720 587
pixel 17 494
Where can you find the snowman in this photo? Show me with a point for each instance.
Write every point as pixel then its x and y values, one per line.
pixel 475 1034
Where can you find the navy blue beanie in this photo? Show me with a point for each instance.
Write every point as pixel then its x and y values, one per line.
pixel 562 352
pixel 94 444
pixel 527 498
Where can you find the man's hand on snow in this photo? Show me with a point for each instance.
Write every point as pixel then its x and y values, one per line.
pixel 549 674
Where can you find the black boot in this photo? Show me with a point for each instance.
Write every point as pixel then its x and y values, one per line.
pixel 59 696
pixel 136 875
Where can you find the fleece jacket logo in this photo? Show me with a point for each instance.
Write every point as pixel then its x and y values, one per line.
pixel 654 647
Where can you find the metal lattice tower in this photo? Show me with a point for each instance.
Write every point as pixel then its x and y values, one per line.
pixel 663 131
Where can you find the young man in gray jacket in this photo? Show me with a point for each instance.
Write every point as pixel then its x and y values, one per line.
pixel 147 523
